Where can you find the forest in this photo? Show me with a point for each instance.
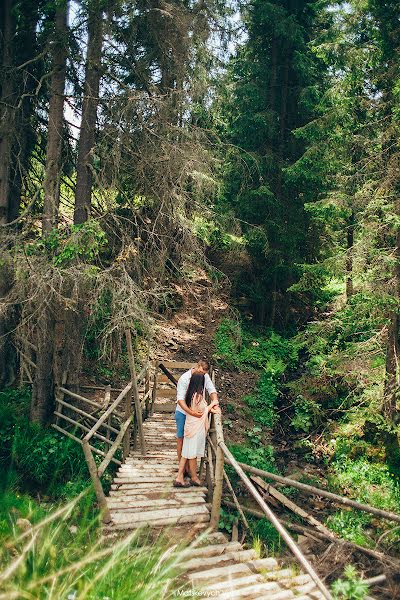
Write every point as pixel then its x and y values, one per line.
pixel 221 178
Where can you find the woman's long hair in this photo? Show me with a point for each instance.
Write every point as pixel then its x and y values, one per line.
pixel 196 386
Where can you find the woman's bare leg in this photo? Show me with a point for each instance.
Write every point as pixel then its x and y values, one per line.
pixel 181 470
pixel 193 469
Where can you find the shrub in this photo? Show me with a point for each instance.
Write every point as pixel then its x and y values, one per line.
pixel 43 459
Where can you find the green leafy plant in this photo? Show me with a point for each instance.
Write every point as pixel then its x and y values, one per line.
pixel 351 587
pixel 226 520
pixel 306 414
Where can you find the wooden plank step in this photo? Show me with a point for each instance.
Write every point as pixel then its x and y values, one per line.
pixel 148 504
pixel 156 491
pixel 166 486
pixel 220 574
pixel 140 473
pixel 283 595
pixel 236 583
pixel 306 588
pixel 157 523
pixel 296 580
pixel 250 591
pixel 154 515
pixel 239 556
pixel 142 480
pixel 166 393
pixel 179 365
pixel 238 569
pixel 211 550
pixel 120 498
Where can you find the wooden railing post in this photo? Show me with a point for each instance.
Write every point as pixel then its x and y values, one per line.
pixel 154 389
pixel 126 444
pixel 218 471
pixel 138 408
pixel 146 390
pixel 96 482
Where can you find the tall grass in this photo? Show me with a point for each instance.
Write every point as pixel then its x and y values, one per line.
pixel 65 557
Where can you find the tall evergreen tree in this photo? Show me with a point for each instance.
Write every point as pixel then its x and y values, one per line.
pixel 271 92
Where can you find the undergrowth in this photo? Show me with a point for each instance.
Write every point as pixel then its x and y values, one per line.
pixel 35 459
pixel 63 557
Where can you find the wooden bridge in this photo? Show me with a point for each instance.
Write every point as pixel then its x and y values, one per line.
pixel 143 445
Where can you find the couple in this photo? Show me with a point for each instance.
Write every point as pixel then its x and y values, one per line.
pixel 191 417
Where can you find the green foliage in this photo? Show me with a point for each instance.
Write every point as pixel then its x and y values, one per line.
pixel 351 526
pixel 351 587
pixel 37 458
pixel 248 349
pixel 269 536
pixel 366 481
pixel 70 560
pixel 306 414
pixel 226 520
pixel 256 455
pixel 262 401
pixel 238 346
pixel 63 246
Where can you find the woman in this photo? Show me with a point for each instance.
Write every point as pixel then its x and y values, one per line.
pixel 194 440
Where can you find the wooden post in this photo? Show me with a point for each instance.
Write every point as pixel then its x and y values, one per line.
pixel 154 390
pixel 96 483
pixel 218 473
pixel 146 391
pixel 138 408
pixel 126 445
pixel 59 396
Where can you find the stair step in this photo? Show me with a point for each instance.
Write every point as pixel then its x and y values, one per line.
pixel 199 563
pixel 149 515
pixel 140 505
pixel 211 550
pixel 220 573
pixel 155 492
pixel 236 583
pixel 142 480
pixel 157 523
pixel 283 595
pixel 251 591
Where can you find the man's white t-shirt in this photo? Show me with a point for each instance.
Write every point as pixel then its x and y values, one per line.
pixel 183 384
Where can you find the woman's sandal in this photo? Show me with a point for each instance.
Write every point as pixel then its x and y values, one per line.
pixel 178 484
pixel 195 483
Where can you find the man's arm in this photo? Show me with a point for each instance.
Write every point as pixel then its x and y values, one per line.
pixel 188 410
pixel 210 387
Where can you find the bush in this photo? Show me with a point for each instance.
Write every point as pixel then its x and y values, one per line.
pixel 240 347
pixel 42 459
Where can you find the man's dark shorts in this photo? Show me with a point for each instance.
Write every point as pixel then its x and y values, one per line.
pixel 180 419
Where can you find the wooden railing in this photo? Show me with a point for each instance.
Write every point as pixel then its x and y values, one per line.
pixel 216 475
pixel 218 454
pixel 119 426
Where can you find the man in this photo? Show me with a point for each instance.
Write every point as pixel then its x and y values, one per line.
pixel 202 368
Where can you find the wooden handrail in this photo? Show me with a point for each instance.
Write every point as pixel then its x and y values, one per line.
pixel 109 456
pixel 275 521
pixel 108 412
pixel 309 489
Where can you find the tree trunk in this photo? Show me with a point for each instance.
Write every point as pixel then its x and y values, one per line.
pixel 56 121
pixel 392 375
pixel 42 403
pixel 87 137
pixel 7 114
pixel 349 257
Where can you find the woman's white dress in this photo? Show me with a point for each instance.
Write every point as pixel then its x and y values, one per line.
pixel 194 440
